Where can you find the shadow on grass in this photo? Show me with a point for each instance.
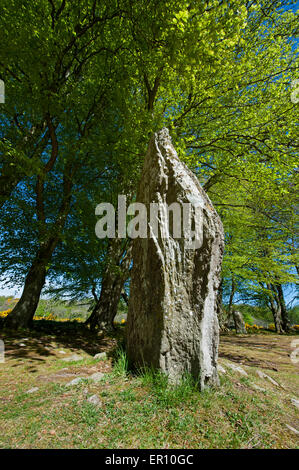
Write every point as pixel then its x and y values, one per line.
pixel 46 337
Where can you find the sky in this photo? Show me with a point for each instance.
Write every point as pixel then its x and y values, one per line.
pixel 10 292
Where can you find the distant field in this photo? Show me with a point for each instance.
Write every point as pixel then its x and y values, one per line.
pixel 49 309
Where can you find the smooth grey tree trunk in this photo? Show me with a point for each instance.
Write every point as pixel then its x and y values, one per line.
pixel 113 282
pixel 23 313
pixel 105 309
pixel 276 310
pixel 283 309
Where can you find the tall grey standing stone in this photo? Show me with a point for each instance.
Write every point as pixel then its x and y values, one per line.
pixel 239 322
pixel 172 321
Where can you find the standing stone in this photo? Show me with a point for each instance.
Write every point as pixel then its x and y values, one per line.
pixel 172 321
pixel 239 322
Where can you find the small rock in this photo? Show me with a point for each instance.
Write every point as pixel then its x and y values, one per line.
pixel 32 390
pixel 62 374
pixel 237 368
pixel 75 381
pixel 292 429
pixel 295 402
pixel 101 356
pixel 22 345
pixel 73 358
pixel 260 389
pixel 94 399
pixel 262 375
pixel 62 352
pixel 221 369
pixel 96 377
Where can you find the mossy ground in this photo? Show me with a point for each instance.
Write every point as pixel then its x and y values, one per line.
pixel 142 411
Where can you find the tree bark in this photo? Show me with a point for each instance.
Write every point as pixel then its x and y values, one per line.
pixel 113 281
pixel 230 306
pixel 220 312
pixel 275 309
pixel 283 309
pixel 231 297
pixel 105 309
pixel 23 313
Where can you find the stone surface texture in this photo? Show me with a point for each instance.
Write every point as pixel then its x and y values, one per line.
pixel 172 321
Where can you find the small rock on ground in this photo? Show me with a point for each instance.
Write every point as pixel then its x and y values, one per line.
pixel 74 381
pixel 32 390
pixel 262 375
pixel 292 429
pixel 295 402
pixel 221 369
pixel 94 399
pixel 237 368
pixel 74 357
pixel 96 377
pixel 260 389
pixel 101 355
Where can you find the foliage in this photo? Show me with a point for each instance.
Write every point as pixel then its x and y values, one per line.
pixel 88 83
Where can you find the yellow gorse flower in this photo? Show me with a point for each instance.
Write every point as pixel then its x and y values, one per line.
pixel 4 313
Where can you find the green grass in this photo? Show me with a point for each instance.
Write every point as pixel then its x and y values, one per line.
pixel 142 410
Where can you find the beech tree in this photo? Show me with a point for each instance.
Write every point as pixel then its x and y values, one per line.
pixel 89 88
pixel 66 91
pixel 74 44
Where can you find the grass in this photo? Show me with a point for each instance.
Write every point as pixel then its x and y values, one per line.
pixel 143 410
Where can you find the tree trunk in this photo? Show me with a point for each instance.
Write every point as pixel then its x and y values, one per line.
pixel 230 305
pixel 283 309
pixel 276 312
pixel 113 281
pixel 220 312
pixel 231 297
pixel 275 309
pixel 23 313
pixel 105 309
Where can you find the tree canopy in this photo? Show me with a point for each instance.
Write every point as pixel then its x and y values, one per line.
pixel 86 85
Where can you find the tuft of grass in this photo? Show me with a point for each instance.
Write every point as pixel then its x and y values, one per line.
pixel 166 394
pixel 120 366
